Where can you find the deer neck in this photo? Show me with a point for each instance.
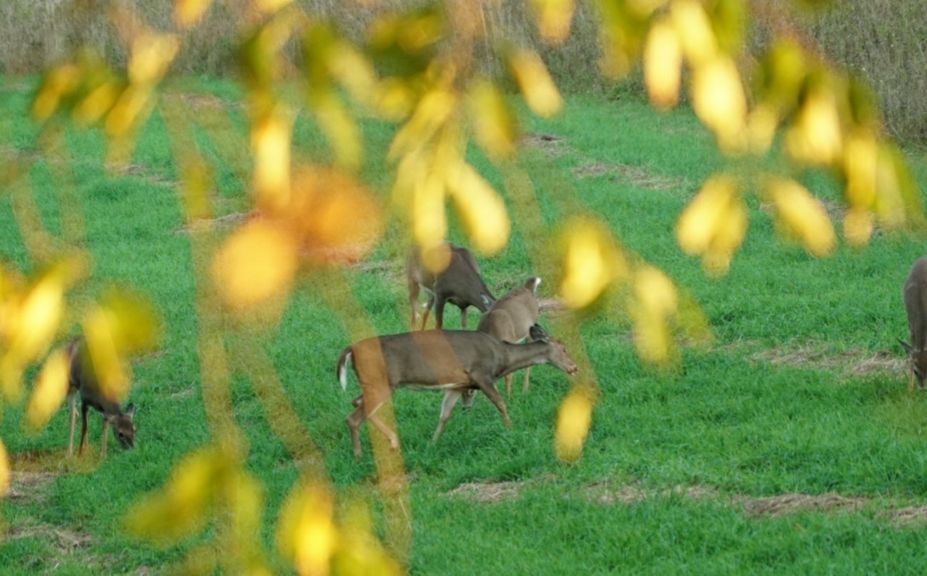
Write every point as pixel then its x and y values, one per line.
pixel 518 356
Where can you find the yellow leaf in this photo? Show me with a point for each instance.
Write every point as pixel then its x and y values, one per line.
pixel 494 125
pixel 151 56
pixel 131 106
pixel 857 226
pixel 694 31
pixel 803 216
pixel 535 83
pixel 719 100
pixel 433 112
pixel 189 12
pixel 268 6
pixel 714 223
pixel 655 301
pixel 592 262
pixel 95 104
pixel 861 168
pixel 270 146
pixel 573 420
pixel 339 127
pixel 4 471
pixel 51 387
pixel 257 263
pixel 58 82
pixel 816 137
pixel 481 209
pixel 39 317
pixel 553 18
pixel 429 221
pixel 306 532
pixel 662 65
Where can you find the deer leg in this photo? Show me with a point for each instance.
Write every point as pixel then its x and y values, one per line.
pixel 428 306
pixel 413 301
pixel 447 406
pixel 83 429
pixel 490 390
pixel 72 420
pixel 524 387
pixel 439 311
pixel 105 436
pixel 463 317
pixel 508 386
pixel 383 428
pixel 355 419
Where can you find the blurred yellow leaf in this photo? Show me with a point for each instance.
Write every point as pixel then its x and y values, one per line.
pixel 693 28
pixel 816 137
pixel 898 200
pixel 861 167
pixel 306 532
pixel 719 100
pixel 573 420
pixel 271 135
pixel 358 550
pixel 662 65
pixel 38 319
pixel 592 262
pixel 4 471
pixel 96 103
pixel 336 217
pixel 256 263
pixel 535 83
pixel 131 106
pixel 857 226
pixel 655 301
pixel 392 98
pixel 553 18
pixel 433 111
pixel 189 12
pixel 113 374
pixel 761 128
pixel 150 57
pixel 339 127
pixel 51 387
pixel 57 83
pixel 803 216
pixel 494 125
pixel 714 223
pixel 270 5
pixel 481 209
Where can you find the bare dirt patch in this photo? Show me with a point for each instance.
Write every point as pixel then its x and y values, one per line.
pixel 907 515
pixel 637 176
pixel 850 362
pixel 605 493
pixel 64 540
pixel 488 491
pixel 224 221
pixel 552 146
pixel 783 504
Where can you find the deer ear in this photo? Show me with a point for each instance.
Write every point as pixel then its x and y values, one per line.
pixel 487 301
pixel 130 410
pixel 533 284
pixel 905 345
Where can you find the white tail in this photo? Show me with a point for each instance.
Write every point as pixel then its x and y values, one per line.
pixel 453 361
pixel 342 369
pixel 460 284
pixel 914 293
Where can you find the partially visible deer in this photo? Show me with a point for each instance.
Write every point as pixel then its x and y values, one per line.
pixel 453 361
pixel 915 303
pixel 511 319
pixel 82 382
pixel 460 284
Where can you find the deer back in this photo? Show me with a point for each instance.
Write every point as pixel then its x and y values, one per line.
pixel 511 317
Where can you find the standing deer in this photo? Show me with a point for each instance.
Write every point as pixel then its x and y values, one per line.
pixel 511 319
pixel 83 382
pixel 453 361
pixel 915 303
pixel 460 284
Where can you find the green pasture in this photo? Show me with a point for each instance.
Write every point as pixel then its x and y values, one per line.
pixel 790 444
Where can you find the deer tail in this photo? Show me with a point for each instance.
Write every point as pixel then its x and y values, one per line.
pixel 342 369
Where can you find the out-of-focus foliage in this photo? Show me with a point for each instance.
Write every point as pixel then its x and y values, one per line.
pixel 415 68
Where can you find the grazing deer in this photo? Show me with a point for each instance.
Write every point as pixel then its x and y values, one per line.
pixel 459 283
pixel 915 303
pixel 82 382
pixel 453 361
pixel 511 319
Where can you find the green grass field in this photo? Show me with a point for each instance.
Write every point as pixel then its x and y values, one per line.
pixel 788 445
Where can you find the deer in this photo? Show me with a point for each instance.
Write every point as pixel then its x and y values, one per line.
pixel 914 293
pixel 513 318
pixel 82 382
pixel 459 283
pixel 450 360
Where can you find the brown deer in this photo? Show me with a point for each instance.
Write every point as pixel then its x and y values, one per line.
pixel 453 361
pixel 83 382
pixel 459 283
pixel 511 319
pixel 915 303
